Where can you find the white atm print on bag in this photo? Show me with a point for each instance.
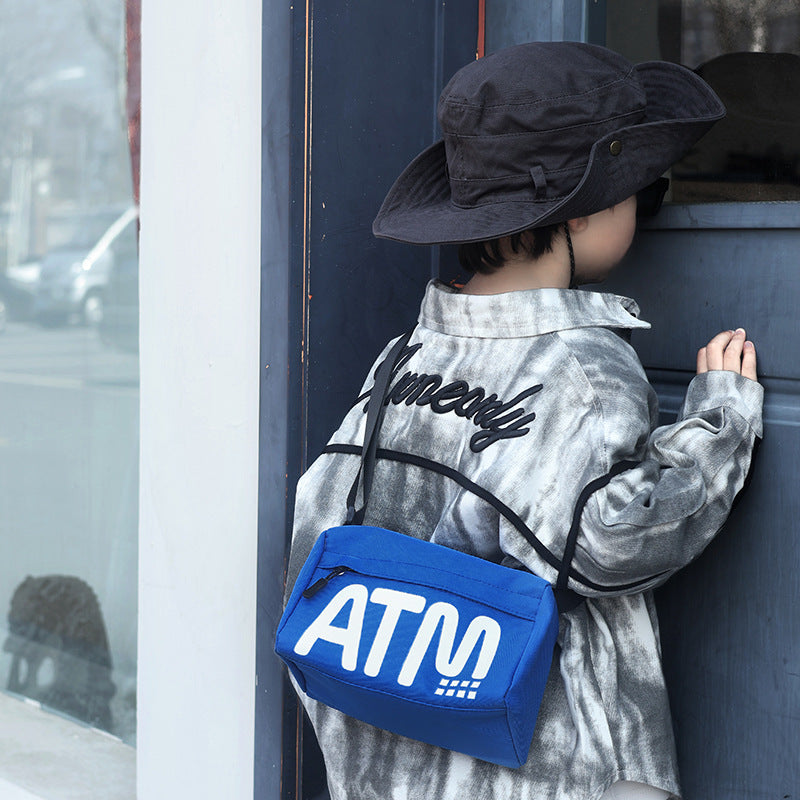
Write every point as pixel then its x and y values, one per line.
pixel 482 629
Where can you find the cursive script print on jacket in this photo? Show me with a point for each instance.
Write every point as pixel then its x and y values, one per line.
pixel 498 419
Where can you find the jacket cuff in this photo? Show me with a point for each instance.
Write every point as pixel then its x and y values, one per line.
pixel 723 388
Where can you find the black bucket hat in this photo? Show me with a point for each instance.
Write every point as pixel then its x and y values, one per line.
pixel 541 133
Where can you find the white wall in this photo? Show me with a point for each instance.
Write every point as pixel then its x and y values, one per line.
pixel 199 284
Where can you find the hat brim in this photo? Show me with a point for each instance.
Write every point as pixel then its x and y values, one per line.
pixel 680 108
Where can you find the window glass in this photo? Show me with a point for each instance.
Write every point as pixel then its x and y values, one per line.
pixel 749 52
pixel 68 364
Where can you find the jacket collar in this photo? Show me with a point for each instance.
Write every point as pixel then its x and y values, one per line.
pixel 524 313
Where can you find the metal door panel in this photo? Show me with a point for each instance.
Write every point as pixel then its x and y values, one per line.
pixel 731 639
pixel 375 72
pixel 693 283
pixel 511 22
pixel 730 624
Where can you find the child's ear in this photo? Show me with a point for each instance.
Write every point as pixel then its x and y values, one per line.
pixel 578 224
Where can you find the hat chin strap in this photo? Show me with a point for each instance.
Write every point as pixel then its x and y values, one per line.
pixel 572 284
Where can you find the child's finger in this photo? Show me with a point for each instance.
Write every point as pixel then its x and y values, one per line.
pixel 702 361
pixel 749 361
pixel 715 350
pixel 732 357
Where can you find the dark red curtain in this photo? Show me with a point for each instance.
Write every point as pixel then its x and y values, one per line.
pixel 481 49
pixel 133 51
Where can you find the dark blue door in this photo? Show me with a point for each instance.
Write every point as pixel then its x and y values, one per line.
pixel 365 78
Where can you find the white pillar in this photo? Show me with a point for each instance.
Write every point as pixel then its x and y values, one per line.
pixel 199 290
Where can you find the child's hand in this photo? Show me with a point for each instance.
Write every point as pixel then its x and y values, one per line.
pixel 731 351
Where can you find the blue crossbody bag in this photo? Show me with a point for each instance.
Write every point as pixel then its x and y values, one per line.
pixel 420 639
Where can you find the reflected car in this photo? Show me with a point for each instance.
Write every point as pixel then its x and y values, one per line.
pixel 119 327
pixel 73 277
pixel 18 288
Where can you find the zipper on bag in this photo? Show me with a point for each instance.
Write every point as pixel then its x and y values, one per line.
pixel 317 586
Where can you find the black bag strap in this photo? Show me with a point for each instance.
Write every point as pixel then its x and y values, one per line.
pixel 376 406
pixel 566 598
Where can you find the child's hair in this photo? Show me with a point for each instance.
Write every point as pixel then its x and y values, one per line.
pixel 487 257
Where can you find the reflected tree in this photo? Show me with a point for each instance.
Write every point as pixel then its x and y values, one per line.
pixel 745 24
pixel 62 116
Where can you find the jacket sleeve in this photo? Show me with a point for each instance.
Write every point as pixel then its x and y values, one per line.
pixel 658 515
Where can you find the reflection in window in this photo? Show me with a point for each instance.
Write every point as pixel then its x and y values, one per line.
pixel 68 363
pixel 709 28
pixel 749 52
pixel 754 153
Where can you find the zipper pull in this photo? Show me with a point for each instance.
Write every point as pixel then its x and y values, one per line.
pixel 323 582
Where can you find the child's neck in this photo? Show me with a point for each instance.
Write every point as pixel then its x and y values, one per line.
pixel 550 271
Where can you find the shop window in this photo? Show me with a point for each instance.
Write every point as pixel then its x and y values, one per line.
pixel 68 389
pixel 749 52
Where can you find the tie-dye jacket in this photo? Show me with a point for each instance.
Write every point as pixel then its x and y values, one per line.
pixel 532 395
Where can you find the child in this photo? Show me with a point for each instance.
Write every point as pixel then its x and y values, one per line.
pixel 530 389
